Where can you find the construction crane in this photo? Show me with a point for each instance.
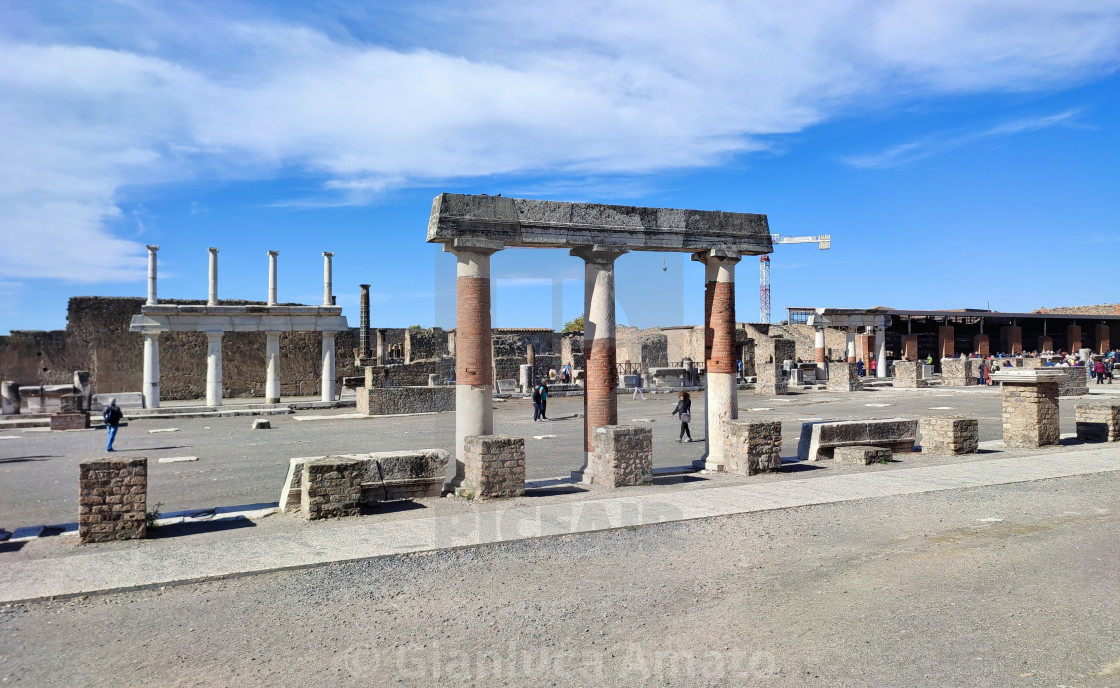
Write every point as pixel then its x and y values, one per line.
pixel 823 241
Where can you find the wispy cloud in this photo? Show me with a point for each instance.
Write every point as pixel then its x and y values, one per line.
pixel 106 96
pixel 906 153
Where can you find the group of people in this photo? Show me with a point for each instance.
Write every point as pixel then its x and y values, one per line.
pixel 873 368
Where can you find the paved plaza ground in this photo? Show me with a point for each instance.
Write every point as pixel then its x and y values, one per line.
pixel 994 569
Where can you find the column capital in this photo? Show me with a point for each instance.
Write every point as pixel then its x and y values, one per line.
pixel 599 253
pixel 212 250
pixel 153 248
pixel 328 254
pixel 716 254
pixel 472 245
pixel 273 253
pixel 210 334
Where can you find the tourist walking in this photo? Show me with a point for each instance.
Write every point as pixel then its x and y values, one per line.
pixel 543 389
pixel 684 411
pixel 874 368
pixel 859 368
pixel 1099 370
pixel 638 387
pixel 536 403
pixel 112 416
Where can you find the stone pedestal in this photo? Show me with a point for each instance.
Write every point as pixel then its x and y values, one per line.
pixel 9 397
pixel 843 377
pixel 949 435
pixel 863 454
pixel 908 374
pixel 753 447
pixel 495 466
pixel 623 456
pixel 331 488
pixel 69 421
pixel 959 372
pixel 769 355
pixel 1030 406
pixel 525 375
pixel 1098 422
pixel 112 499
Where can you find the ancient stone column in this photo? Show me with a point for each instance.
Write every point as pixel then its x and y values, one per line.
pixel 881 354
pixel 363 331
pixel 213 368
pixel 380 347
pixel 850 345
pixel 272 371
pixel 722 391
pixel 328 297
pixel 212 299
pixel 600 400
pixel 819 353
pixel 982 345
pixel 152 275
pixel 151 370
pixel 1073 338
pixel 474 365
pixel 272 277
pixel 326 386
pixel 1102 338
pixel 1030 406
pixel 946 342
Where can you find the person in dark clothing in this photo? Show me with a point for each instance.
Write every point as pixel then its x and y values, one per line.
pixel 544 400
pixel 536 402
pixel 112 416
pixel 684 411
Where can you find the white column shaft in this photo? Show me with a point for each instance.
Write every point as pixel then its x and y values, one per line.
pixel 272 379
pixel 327 383
pixel 327 280
pixel 881 353
pixel 272 277
pixel 212 299
pixel 152 275
pixel 213 369
pixel 151 371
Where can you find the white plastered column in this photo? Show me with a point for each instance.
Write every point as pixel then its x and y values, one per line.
pixel 850 344
pixel 272 368
pixel 881 352
pixel 214 368
pixel 151 370
pixel 328 279
pixel 212 298
pixel 272 277
pixel 152 275
pixel 721 401
pixel 327 383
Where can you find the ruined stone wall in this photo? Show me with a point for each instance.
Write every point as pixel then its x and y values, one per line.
pixel 804 339
pixel 378 401
pixel 97 339
pixel 571 349
pixel 424 344
pixel 684 342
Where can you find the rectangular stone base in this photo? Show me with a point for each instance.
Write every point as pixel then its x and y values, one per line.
pixel 949 435
pixel 331 488
pixel 112 499
pixel 69 421
pixel 862 454
pixel 623 456
pixel 495 466
pixel 1098 422
pixel 753 447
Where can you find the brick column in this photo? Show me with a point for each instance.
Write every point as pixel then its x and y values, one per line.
pixel 820 353
pixel 910 347
pixel 982 345
pixel 474 365
pixel 151 370
pixel 1045 343
pixel 1011 339
pixel 272 368
pixel 850 345
pixel 1073 338
pixel 721 391
pixel 213 368
pixel 326 384
pixel 1101 337
pixel 600 399
pixel 112 499
pixel 946 342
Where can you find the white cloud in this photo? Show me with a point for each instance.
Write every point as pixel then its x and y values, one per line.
pixel 905 153
pixel 130 94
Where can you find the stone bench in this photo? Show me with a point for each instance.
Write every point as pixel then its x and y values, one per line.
pixel 949 435
pixel 820 440
pixel 863 454
pixel 1097 422
pixel 386 476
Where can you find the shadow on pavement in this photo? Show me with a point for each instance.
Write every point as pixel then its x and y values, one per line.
pixel 38 457
pixel 199 527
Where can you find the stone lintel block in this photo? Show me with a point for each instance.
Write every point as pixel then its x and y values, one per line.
pixel 863 454
pixel 623 456
pixel 819 440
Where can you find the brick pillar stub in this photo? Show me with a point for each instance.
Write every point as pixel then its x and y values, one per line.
pixel 1101 338
pixel 946 342
pixel 1011 339
pixel 722 352
pixel 910 347
pixel 982 345
pixel 1045 343
pixel 600 392
pixel 112 499
pixel 472 332
pixel 1073 338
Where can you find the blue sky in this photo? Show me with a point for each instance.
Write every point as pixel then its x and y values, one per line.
pixel 960 154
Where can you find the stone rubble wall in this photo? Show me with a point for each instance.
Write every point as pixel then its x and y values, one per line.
pixel 424 344
pixel 1030 415
pixel 623 456
pixel 409 374
pixel 331 488
pixel 949 435
pixel 753 447
pixel 386 401
pixel 908 375
pixel 385 476
pixel 1077 382
pixel 495 466
pixel 769 354
pixel 112 499
pixel 960 372
pixel 844 377
pixel 1098 422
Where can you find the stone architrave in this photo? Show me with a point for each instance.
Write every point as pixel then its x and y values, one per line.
pixel 1030 406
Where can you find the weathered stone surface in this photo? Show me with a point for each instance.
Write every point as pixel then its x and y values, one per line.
pixel 383 401
pixel 908 374
pixel 863 454
pixel 949 435
pixel 1098 422
pixel 769 354
pixel 262 424
pixel 843 377
pixel 1030 414
pixel 960 372
pixel 331 488
pixel 819 440
pixel 112 499
pixel 623 456
pixel 555 224
pixel 69 421
pixel 386 476
pixel 1076 383
pixel 753 446
pixel 495 466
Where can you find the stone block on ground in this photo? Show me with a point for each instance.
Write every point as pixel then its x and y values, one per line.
pixel 949 435
pixel 1030 407
pixel 960 372
pixel 69 421
pixel 843 377
pixel 112 499
pixel 819 440
pixel 495 466
pixel 908 375
pixel 623 456
pixel 752 446
pixel 386 401
pixel 1098 422
pixel 262 424
pixel 386 476
pixel 863 454
pixel 331 488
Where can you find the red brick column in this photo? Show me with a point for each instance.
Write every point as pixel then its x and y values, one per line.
pixel 910 347
pixel 600 397
pixel 474 368
pixel 1102 338
pixel 1011 339
pixel 1073 338
pixel 946 343
pixel 720 391
pixel 982 345
pixel 1045 343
